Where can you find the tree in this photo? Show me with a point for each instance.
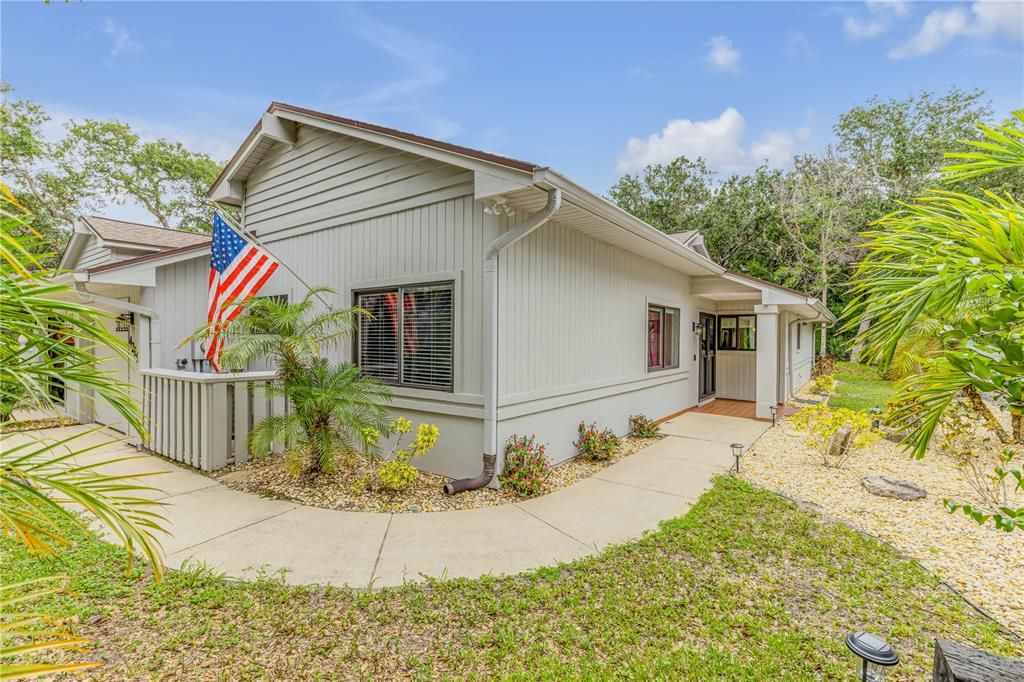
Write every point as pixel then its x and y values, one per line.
pixel 669 196
pixel 96 162
pixel 40 479
pixel 168 180
pixel 822 208
pixel 901 143
pixel 331 408
pixel 927 259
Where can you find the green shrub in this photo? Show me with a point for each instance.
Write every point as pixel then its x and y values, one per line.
pixel 527 469
pixel 595 444
pixel 824 384
pixel 396 473
pixel 821 423
pixel 641 426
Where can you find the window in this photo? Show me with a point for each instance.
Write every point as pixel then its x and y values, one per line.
pixel 410 340
pixel 662 337
pixel 737 332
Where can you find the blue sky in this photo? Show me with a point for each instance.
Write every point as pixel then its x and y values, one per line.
pixel 592 89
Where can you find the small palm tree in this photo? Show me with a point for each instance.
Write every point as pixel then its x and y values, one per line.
pixel 289 335
pixel 329 406
pixel 331 409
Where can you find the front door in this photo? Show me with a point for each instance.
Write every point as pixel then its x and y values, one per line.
pixel 706 370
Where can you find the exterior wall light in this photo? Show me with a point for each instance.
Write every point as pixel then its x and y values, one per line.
pixel 875 655
pixel 737 453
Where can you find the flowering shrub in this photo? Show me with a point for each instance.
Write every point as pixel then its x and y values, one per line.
pixel 594 444
pixel 824 383
pixel 396 473
pixel 527 469
pixel 821 423
pixel 643 427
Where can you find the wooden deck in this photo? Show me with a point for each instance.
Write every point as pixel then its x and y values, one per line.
pixel 740 408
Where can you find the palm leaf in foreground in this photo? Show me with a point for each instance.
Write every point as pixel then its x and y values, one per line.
pixel 24 633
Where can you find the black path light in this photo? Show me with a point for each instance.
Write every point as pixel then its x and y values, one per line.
pixel 875 655
pixel 876 417
pixel 773 409
pixel 737 452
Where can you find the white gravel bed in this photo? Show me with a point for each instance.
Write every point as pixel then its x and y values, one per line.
pixel 984 563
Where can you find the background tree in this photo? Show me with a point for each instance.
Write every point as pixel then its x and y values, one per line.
pixel 669 196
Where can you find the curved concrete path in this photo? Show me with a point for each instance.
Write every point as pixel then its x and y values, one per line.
pixel 236 532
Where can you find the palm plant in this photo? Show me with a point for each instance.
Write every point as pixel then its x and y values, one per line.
pixel 39 479
pixel 331 410
pixel 928 259
pixel 330 406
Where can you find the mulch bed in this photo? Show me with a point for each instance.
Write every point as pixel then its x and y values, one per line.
pixel 346 488
pixel 37 424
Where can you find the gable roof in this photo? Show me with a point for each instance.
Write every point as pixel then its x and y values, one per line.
pixel 125 232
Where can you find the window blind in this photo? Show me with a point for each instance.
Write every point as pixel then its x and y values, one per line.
pixel 410 341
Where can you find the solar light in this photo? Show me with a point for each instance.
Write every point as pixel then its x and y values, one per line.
pixel 772 409
pixel 737 452
pixel 875 655
pixel 876 417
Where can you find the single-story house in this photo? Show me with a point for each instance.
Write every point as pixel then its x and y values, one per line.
pixel 507 298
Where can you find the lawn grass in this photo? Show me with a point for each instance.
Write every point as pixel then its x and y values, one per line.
pixel 744 587
pixel 860 387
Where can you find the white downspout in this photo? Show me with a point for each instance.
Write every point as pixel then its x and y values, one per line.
pixel 490 339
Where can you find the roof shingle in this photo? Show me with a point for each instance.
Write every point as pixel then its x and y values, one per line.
pixel 144 235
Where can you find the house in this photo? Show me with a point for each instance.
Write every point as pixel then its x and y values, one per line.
pixel 507 298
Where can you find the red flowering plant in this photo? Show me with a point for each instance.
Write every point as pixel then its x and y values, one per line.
pixel 527 469
pixel 595 444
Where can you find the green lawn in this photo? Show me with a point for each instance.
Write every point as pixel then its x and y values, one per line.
pixel 745 587
pixel 860 387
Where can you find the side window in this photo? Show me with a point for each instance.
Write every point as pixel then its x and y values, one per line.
pixel 662 337
pixel 737 332
pixel 409 341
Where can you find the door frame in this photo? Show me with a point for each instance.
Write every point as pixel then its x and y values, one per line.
pixel 707 367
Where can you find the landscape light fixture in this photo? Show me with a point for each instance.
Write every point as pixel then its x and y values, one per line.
pixel 875 655
pixel 737 452
pixel 773 410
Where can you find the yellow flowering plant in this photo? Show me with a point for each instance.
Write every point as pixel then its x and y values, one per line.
pixel 396 472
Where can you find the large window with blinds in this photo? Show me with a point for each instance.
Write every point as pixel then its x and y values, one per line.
pixel 410 339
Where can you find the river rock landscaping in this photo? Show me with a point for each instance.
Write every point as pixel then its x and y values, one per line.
pixel 984 563
pixel 347 489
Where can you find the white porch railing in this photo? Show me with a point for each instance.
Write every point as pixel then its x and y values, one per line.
pixel 203 420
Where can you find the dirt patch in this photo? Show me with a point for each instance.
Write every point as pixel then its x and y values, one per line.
pixel 346 489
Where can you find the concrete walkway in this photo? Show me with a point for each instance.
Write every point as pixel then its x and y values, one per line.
pixel 236 532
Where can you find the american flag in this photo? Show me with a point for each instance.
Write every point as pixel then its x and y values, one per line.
pixel 237 271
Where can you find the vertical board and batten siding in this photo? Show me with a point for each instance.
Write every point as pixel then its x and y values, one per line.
pixel 737 369
pixel 573 339
pixel 802 358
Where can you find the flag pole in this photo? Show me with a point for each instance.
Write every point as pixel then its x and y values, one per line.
pixel 226 217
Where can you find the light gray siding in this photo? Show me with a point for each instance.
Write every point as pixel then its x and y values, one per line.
pixel 93 254
pixel 573 337
pixel 326 179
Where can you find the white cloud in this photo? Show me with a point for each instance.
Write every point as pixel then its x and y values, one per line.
pixel 798 45
pixel 987 19
pixel 641 73
pixel 719 141
pixel 120 40
pixel 881 14
pixel 722 56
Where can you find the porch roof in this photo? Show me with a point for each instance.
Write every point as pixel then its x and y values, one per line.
pixel 734 286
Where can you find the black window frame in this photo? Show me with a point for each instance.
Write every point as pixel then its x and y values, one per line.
pixel 720 345
pixel 399 290
pixel 675 349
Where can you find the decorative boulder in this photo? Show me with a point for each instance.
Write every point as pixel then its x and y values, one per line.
pixel 892 487
pixel 838 445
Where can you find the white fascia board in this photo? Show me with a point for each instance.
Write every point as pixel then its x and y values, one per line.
pixel 227 192
pixel 277 128
pixel 74 247
pixel 137 276
pixel 487 184
pixel 613 214
pixel 449 157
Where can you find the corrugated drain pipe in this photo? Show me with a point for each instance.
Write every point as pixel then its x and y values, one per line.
pixel 490 341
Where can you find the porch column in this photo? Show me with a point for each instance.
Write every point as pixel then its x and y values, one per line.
pixel 767 373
